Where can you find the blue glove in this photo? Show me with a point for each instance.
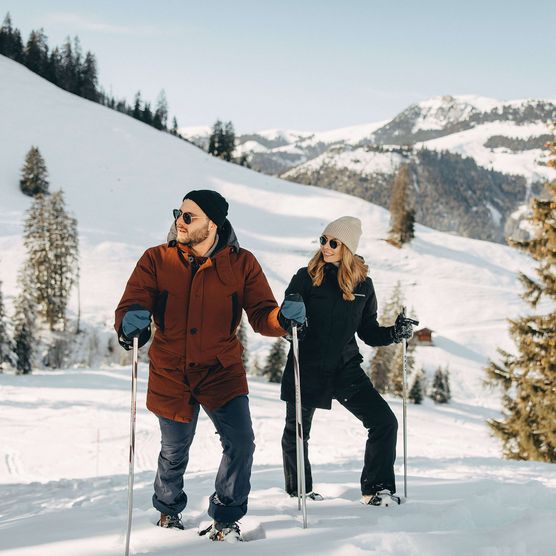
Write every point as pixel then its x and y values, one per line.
pixel 293 309
pixel 292 312
pixel 136 322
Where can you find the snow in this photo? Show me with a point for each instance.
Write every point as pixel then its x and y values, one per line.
pixel 360 161
pixel 71 498
pixel 471 143
pixel 63 456
pixel 437 112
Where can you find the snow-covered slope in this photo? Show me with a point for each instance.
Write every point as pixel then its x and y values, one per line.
pixel 122 179
pixel 63 479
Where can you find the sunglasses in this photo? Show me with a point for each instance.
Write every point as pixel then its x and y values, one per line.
pixel 333 242
pixel 187 217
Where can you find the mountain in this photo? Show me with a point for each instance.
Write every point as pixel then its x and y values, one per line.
pixel 474 160
pixel 64 450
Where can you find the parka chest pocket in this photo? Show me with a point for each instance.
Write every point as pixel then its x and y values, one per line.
pixel 358 304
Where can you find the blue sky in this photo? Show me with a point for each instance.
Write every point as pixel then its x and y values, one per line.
pixel 305 64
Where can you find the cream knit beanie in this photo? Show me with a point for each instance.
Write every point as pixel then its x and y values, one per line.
pixel 347 229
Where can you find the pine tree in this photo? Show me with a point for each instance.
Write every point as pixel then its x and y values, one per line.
pixel 11 44
pixel 384 362
pixel 229 142
pixel 440 392
pixel 395 383
pixel 417 391
pixel 137 110
pixel 68 69
pixel 146 114
pixel 275 362
pixel 24 327
pixel 51 241
pixel 88 78
pixel 6 349
pixel 63 244
pixel 36 52
pixel 174 130
pixel 215 139
pixel 160 120
pixel 402 217
pixel 54 67
pixel 528 378
pixel 34 175
pixel 242 337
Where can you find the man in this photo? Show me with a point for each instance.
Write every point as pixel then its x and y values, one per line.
pixel 195 288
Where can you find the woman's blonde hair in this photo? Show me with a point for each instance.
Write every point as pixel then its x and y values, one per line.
pixel 351 271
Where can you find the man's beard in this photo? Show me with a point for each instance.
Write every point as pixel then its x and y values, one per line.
pixel 194 238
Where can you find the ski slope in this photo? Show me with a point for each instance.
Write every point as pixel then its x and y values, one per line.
pixel 63 455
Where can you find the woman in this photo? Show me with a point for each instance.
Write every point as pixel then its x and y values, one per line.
pixel 340 301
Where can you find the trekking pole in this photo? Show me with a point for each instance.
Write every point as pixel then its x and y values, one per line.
pixel 131 441
pixel 404 395
pixel 301 494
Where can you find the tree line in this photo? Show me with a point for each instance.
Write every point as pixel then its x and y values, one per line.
pixel 68 68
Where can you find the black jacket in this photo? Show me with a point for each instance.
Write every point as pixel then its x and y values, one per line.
pixel 329 350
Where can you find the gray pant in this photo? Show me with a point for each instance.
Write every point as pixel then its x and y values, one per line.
pixel 229 501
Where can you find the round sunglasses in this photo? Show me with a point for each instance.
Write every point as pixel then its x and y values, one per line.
pixel 187 216
pixel 333 242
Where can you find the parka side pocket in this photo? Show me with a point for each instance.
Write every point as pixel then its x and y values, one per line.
pixel 160 309
pixel 234 320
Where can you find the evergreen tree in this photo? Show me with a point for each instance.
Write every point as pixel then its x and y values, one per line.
pixel 383 362
pixel 6 350
pixel 51 241
pixel 229 142
pixel 440 392
pixel 402 217
pixel 71 65
pixel 160 120
pixel 137 110
pixel 11 44
pixel 88 79
pixel 275 362
pixel 395 383
pixel 54 67
pixel 146 114
pixel 36 52
pixel 174 130
pixel 34 175
pixel 242 337
pixel 24 328
pixel 417 391
pixel 63 245
pixel 215 139
pixel 528 378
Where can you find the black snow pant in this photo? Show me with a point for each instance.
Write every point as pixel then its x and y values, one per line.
pixel 362 400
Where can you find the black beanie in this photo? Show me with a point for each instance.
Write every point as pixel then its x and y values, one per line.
pixel 211 203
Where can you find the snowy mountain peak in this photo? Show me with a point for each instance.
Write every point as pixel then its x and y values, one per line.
pixel 438 112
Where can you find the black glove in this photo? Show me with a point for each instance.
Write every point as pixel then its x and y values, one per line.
pixel 292 312
pixel 136 323
pixel 403 328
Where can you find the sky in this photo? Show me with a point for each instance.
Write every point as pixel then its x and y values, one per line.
pixel 304 64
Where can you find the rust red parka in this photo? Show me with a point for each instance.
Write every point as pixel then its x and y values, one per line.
pixel 195 355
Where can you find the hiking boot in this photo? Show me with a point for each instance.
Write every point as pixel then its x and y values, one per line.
pixel 312 495
pixel 219 531
pixel 170 521
pixel 381 498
